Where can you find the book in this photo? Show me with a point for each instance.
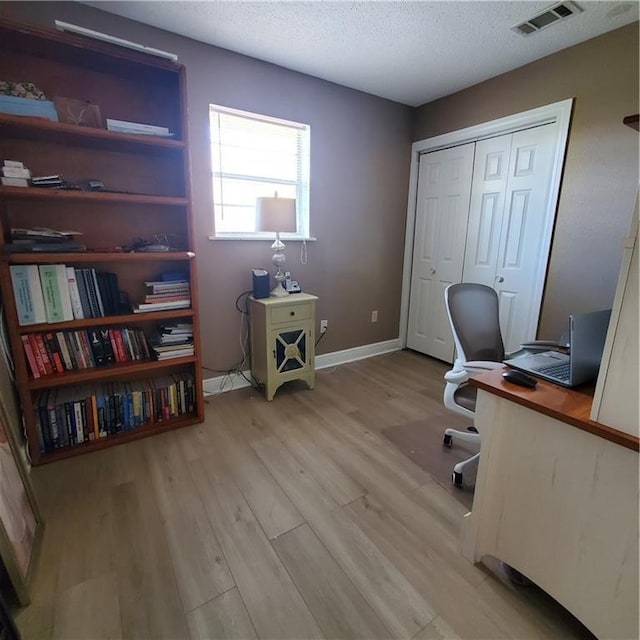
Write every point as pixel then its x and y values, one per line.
pixel 74 294
pixel 15 172
pixel 64 351
pixel 85 346
pixel 53 351
pixel 36 246
pixel 84 295
pixel 123 126
pixel 107 348
pixel 47 356
pixel 13 163
pixel 36 351
pixel 27 292
pixel 31 357
pixel 14 182
pixel 90 286
pixel 65 295
pixel 162 306
pixel 55 287
pixel 166 298
pixel 97 349
pixel 54 178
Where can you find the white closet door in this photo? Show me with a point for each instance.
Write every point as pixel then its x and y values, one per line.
pixel 507 243
pixel 524 240
pixel 442 210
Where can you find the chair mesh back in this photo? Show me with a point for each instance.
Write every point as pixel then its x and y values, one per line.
pixel 473 309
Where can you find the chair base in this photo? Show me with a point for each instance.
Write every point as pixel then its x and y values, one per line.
pixel 457 476
pixel 458 471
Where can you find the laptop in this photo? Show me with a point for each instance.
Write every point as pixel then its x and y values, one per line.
pixel 587 333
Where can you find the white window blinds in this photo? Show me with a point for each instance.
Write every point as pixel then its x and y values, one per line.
pixel 256 156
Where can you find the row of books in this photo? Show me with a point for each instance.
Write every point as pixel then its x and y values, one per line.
pixel 56 352
pixel 68 416
pixel 57 293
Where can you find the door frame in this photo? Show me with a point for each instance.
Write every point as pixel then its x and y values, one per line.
pixel 557 112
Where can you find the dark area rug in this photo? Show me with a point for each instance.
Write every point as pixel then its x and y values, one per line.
pixel 421 442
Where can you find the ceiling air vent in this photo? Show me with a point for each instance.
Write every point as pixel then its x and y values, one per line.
pixel 547 17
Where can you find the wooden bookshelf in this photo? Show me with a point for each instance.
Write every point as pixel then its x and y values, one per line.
pixel 147 193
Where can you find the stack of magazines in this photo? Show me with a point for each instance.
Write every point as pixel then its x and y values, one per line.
pixel 174 340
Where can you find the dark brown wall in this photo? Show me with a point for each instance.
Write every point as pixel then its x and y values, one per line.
pixel 360 152
pixel 601 171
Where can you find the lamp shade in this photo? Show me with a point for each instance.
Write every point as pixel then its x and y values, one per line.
pixel 276 214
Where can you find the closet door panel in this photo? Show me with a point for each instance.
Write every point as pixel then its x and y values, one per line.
pixel 489 185
pixel 442 209
pixel 521 254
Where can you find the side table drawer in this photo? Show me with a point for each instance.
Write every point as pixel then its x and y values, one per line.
pixel 290 313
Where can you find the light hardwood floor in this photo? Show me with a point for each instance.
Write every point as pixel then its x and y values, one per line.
pixel 289 519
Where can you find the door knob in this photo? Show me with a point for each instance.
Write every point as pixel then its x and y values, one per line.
pixel 499 279
pixel 432 270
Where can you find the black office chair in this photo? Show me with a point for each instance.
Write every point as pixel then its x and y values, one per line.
pixel 473 315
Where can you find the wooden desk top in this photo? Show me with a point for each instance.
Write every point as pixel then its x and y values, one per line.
pixel 572 406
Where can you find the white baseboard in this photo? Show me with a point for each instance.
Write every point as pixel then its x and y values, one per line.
pixel 220 384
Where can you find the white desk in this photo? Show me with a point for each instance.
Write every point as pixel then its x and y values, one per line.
pixel 557 498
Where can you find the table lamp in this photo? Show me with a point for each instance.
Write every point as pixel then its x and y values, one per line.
pixel 277 215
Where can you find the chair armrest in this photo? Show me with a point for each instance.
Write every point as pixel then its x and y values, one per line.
pixel 481 365
pixel 456 376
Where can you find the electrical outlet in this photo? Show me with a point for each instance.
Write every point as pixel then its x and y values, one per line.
pixel 324 324
pixel 374 315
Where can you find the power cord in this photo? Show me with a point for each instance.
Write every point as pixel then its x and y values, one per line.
pixel 237 369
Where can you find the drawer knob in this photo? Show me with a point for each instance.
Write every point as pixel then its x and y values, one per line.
pixel 292 313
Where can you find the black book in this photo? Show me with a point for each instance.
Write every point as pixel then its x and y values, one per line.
pixel 105 294
pixel 43 419
pixel 114 292
pixel 90 283
pixel 84 295
pixel 107 347
pixel 95 341
pixel 101 312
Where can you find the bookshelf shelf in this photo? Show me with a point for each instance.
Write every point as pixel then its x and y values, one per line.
pixel 119 438
pixel 106 373
pixel 134 318
pixel 98 256
pixel 59 132
pixel 35 193
pixel 150 198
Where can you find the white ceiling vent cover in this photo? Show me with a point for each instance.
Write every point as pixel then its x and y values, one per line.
pixel 547 17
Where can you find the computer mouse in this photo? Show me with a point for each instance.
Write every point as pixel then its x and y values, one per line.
pixel 519 378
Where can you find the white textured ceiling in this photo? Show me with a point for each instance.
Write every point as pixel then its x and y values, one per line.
pixel 410 52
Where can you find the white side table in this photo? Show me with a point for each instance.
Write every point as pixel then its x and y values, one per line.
pixel 282 340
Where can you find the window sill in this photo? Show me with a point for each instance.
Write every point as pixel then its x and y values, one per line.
pixel 262 239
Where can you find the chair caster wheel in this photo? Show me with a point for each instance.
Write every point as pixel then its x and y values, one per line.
pixel 457 479
pixel 447 440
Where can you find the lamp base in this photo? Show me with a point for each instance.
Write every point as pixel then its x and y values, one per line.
pixel 279 291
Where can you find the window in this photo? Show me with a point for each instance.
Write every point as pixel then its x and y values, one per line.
pixel 256 156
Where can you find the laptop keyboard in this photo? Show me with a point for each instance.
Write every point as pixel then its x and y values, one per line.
pixel 558 371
